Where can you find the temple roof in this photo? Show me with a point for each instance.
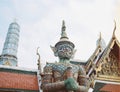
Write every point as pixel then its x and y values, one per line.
pixel 100 53
pixel 110 46
pixel 106 87
pixel 111 88
pixel 95 56
pixel 18 79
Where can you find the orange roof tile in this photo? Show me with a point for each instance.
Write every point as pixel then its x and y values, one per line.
pixel 111 88
pixel 11 80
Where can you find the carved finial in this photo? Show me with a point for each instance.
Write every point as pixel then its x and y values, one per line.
pixel 39 63
pixel 99 40
pixel 63 34
pixel 38 52
pixel 100 36
pixel 114 28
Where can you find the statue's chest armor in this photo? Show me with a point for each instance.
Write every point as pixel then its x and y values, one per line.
pixel 58 77
pixel 59 71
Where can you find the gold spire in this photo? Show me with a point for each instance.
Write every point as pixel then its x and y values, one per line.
pixel 99 40
pixel 114 29
pixel 100 36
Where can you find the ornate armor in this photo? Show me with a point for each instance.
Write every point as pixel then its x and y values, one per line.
pixel 55 75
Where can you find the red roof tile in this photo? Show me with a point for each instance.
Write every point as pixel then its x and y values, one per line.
pixel 18 81
pixel 111 88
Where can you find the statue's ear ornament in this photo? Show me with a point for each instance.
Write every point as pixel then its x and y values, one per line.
pixel 54 49
pixel 73 54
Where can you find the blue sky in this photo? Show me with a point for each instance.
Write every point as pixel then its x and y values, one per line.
pixel 40 25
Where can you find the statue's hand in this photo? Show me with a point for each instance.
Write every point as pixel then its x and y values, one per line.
pixel 71 84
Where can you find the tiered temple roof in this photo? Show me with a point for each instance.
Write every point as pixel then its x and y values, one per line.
pixel 104 66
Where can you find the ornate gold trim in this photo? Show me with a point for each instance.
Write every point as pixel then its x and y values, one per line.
pixel 7 63
pixel 109 78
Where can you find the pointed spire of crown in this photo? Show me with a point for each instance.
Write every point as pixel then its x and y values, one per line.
pixel 63 34
pixel 14 20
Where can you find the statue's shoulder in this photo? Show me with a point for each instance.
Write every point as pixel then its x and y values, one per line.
pixel 82 70
pixel 48 68
pixel 59 67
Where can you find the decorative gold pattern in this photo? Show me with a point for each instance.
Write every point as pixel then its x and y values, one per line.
pixel 110 66
pixel 53 78
pixel 7 63
pixel 57 76
pixel 108 69
pixel 48 70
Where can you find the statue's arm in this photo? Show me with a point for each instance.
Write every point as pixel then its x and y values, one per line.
pixel 50 87
pixel 83 86
pixel 83 81
pixel 48 84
